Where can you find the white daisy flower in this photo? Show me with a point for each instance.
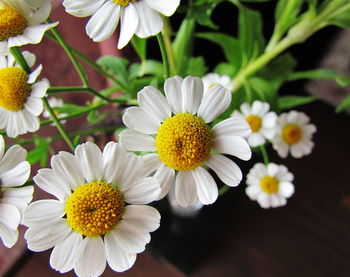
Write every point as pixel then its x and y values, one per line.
pixel 14 172
pixel 21 23
pixel 269 185
pixel 140 17
pixel 261 121
pixel 90 222
pixel 293 134
pixel 20 96
pixel 55 102
pixel 184 143
pixel 212 79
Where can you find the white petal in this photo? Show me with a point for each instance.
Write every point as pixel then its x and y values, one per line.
pixel 166 7
pixel 114 156
pixel 256 139
pixel 272 169
pixel 172 88
pixel 215 101
pixel 233 145
pixel 16 176
pixel 150 22
pixel 4 50
pixel 104 22
pixel 286 189
pixel 91 160
pixel 151 164
pixel 90 257
pixel 41 14
pixel 143 191
pixel 154 103
pixel 192 93
pixel 253 191
pixel 206 187
pixel 226 169
pixel 34 105
pixel 43 210
pixel 269 120
pixel 136 141
pixel 128 25
pixel 29 57
pixel 39 88
pixel 117 258
pixel 232 126
pixel 136 118
pixel 264 200
pixel 185 189
pixel 34 75
pixel 143 218
pixel 2 149
pixel 13 156
pixel 63 255
pixel 8 236
pixel 18 197
pixel 82 8
pixel 9 215
pixel 166 176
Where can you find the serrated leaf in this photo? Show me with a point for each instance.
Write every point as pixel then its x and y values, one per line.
pixel 116 66
pixel 291 101
pixel 196 67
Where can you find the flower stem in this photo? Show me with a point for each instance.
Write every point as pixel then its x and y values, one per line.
pixel 58 124
pixel 164 55
pixel 17 54
pixel 264 154
pixel 223 190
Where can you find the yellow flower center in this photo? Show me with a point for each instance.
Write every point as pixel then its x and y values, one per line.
pixel 291 133
pixel 14 89
pixel 254 121
pixel 12 23
pixel 183 141
pixel 123 2
pixel 94 208
pixel 269 184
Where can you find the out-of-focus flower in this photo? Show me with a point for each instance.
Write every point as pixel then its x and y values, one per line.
pixel 212 79
pixel 269 185
pixel 184 142
pixel 55 102
pixel 261 121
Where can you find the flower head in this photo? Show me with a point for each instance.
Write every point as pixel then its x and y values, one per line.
pixel 261 121
pixel 140 17
pixel 212 79
pixel 100 213
pixel 20 96
pixel 269 185
pixel 21 23
pixel 184 142
pixel 293 134
pixel 14 172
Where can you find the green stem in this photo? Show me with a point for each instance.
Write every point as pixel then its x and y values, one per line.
pixel 58 124
pixel 264 154
pixel 164 55
pixel 166 31
pixel 223 190
pixel 69 53
pixel 17 54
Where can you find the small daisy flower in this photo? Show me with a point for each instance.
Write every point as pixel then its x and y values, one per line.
pixel 184 144
pixel 212 79
pixel 20 96
pixel 269 185
pixel 293 134
pixel 55 102
pixel 21 23
pixel 100 213
pixel 140 17
pixel 14 172
pixel 261 121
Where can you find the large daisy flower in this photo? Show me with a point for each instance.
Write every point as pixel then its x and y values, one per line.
pixel 269 185
pixel 100 212
pixel 14 172
pixel 212 79
pixel 140 17
pixel 184 144
pixel 261 121
pixel 21 23
pixel 294 134
pixel 20 96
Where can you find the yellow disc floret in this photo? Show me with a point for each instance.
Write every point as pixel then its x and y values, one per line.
pixel 183 141
pixel 269 184
pixel 254 121
pixel 291 133
pixel 12 23
pixel 94 208
pixel 14 89
pixel 123 2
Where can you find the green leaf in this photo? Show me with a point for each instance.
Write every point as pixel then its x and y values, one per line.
pixel 225 69
pixel 345 104
pixel 70 109
pixel 196 67
pixel 40 152
pixel 323 73
pixel 286 14
pixel 149 67
pixel 342 20
pixel 140 46
pixel 95 117
pixel 116 66
pixel 290 101
pixel 264 90
pixel 203 10
pixel 229 45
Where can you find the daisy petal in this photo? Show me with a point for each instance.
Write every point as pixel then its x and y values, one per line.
pixel 226 169
pixel 34 105
pixel 150 22
pixel 16 176
pixel 206 187
pixel 166 7
pixel 232 126
pixel 8 236
pixel 166 176
pixel 114 156
pixel 253 191
pixel 172 88
pixel 143 218
pixel 43 210
pixel 13 156
pixel 143 191
pixel 82 8
pixel 9 215
pixel 151 163
pixel 233 145
pixel 137 119
pixel 286 189
pixel 136 141
pixel 129 22
pixel 192 93
pixel 185 189
pixel 34 75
